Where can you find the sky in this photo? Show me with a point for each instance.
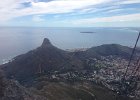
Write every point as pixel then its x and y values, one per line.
pixel 70 13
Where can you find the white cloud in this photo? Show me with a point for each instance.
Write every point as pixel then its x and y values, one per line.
pixel 115 10
pixel 122 18
pixel 128 1
pixel 9 8
pixel 38 18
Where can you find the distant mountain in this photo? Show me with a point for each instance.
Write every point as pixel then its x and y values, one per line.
pixel 107 50
pixel 43 60
pixel 111 49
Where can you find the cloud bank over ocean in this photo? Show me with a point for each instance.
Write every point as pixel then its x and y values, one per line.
pixel 70 13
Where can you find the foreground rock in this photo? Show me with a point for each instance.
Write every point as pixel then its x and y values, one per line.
pixel 12 90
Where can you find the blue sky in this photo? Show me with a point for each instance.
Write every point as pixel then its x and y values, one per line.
pixel 70 13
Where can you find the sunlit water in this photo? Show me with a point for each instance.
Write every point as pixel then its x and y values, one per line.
pixel 15 40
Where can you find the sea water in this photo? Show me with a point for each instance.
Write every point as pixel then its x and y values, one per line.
pixel 18 40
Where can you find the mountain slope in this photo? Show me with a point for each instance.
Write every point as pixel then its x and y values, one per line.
pixel 12 90
pixel 106 50
pixel 111 49
pixel 43 60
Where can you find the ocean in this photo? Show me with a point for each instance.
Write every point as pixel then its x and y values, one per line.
pixel 19 40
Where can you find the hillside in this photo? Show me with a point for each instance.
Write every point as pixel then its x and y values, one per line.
pixel 110 49
pixel 106 50
pixel 43 60
pixel 12 90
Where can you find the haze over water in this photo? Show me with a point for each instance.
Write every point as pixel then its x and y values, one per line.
pixel 19 40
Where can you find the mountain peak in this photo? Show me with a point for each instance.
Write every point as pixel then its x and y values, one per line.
pixel 46 42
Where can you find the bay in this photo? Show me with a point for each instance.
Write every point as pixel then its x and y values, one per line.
pixel 18 40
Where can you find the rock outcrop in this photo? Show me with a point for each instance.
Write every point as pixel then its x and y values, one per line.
pixel 12 90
